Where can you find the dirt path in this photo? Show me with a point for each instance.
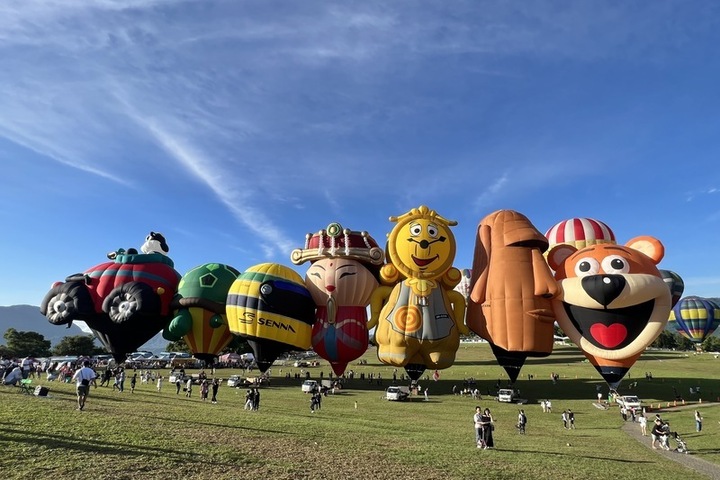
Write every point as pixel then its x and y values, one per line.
pixel 701 466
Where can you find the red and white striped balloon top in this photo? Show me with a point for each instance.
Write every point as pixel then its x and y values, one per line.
pixel 580 232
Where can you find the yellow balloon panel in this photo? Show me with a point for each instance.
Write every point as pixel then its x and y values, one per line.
pixel 269 301
pixel 204 339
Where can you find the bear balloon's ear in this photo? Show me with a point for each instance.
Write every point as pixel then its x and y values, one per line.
pixel 648 245
pixel 558 254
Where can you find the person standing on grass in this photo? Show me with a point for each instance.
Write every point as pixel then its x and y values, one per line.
pixel 571 419
pixel 83 376
pixel 522 421
pixel 121 380
pixel 477 422
pixel 204 389
pixel 133 382
pixel 488 424
pixel 698 421
pixel 159 383
pixel 564 417
pixel 215 386
pixel 188 388
pixel 178 385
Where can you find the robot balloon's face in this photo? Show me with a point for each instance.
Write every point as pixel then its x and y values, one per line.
pixel 422 248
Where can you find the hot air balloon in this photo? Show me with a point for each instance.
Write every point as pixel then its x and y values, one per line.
pixel 580 233
pixel 511 288
pixel 695 318
pixel 341 278
pixel 675 283
pixel 419 317
pixel 200 314
pixel 613 301
pixel 269 305
pixel 125 302
pixel 464 286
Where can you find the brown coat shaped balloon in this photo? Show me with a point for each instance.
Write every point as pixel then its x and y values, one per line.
pixel 511 285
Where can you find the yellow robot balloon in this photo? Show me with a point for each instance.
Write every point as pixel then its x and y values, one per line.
pixel 417 315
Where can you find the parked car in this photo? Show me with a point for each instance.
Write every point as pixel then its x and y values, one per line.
pixel 309 386
pixel 506 395
pixel 396 393
pixel 628 401
pixel 236 381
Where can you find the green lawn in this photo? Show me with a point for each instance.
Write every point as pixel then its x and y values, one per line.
pixel 163 435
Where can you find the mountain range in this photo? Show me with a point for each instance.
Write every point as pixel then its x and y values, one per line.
pixel 27 318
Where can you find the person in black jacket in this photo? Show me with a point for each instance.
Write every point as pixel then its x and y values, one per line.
pixel 658 433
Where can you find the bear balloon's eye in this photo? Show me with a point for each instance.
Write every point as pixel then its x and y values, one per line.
pixel 587 266
pixel 615 264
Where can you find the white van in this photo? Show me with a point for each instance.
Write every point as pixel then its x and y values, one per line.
pixel 398 394
pixel 309 386
pixel 506 395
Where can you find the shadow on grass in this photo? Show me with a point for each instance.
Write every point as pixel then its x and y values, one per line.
pixel 71 443
pixel 187 421
pixel 574 455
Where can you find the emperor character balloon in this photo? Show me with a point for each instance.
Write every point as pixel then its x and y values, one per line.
pixel 341 278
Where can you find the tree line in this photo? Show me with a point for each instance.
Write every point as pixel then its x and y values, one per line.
pixel 674 341
pixel 20 344
pixel 32 344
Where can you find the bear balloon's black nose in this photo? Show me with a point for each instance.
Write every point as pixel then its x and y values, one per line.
pixel 604 288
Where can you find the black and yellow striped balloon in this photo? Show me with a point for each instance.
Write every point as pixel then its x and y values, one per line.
pixel 269 305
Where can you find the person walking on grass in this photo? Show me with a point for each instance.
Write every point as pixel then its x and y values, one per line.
pixel 188 388
pixel 159 383
pixel 571 419
pixel 657 433
pixel 248 400
pixel 698 421
pixel 83 376
pixel 564 417
pixel 133 382
pixel 642 420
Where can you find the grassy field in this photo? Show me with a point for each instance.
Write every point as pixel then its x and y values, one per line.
pixel 163 435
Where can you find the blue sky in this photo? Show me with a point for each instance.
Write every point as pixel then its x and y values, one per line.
pixel 236 127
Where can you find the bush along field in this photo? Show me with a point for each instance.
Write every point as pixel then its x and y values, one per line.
pixel 357 434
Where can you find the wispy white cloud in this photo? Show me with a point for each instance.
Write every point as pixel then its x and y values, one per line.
pixel 234 195
pixel 491 191
pixel 235 91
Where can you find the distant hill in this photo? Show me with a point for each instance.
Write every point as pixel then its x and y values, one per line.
pixel 27 318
